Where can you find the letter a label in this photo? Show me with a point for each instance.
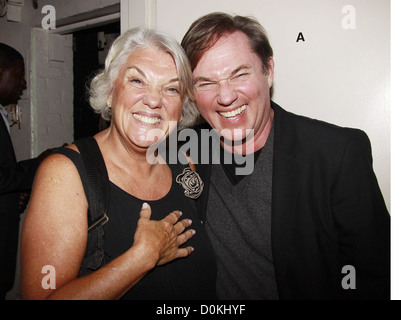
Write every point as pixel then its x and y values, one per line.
pixel 49 281
pixel 49 20
pixel 349 281
pixel 300 37
pixel 349 20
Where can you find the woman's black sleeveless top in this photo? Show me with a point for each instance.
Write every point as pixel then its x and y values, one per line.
pixel 187 278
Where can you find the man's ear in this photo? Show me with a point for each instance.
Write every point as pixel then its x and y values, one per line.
pixel 270 71
pixel 1 73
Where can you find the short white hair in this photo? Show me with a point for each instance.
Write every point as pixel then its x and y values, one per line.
pixel 102 84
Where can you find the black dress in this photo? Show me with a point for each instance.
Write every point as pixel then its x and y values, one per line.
pixel 190 278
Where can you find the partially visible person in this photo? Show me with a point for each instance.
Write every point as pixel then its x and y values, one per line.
pixel 310 221
pixel 148 253
pixel 16 178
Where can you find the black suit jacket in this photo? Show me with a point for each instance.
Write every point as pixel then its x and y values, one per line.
pixel 327 212
pixel 14 179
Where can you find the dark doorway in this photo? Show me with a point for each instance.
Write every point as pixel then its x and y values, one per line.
pixel 90 48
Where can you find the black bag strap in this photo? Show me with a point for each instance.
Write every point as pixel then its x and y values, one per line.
pixel 97 181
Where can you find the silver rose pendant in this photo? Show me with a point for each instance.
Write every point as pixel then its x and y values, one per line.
pixel 191 182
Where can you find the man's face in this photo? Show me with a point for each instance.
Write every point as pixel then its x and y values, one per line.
pixel 12 83
pixel 232 90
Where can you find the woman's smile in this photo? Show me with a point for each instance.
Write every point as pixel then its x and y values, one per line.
pixel 148 119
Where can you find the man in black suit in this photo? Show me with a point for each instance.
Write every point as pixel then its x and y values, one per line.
pixel 16 178
pixel 310 222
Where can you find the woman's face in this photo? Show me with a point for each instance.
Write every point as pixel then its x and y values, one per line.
pixel 145 100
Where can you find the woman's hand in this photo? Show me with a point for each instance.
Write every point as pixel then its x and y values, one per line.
pixel 161 240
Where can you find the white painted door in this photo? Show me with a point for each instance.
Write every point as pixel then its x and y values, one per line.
pixel 51 90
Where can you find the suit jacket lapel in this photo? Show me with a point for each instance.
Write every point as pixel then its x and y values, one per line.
pixel 286 169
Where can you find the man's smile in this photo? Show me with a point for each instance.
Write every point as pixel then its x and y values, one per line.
pixel 234 113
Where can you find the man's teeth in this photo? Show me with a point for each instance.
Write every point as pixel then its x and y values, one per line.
pixel 146 120
pixel 234 112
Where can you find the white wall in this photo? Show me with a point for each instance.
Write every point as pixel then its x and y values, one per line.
pixel 337 75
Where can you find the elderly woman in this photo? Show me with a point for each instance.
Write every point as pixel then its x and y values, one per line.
pixel 145 86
